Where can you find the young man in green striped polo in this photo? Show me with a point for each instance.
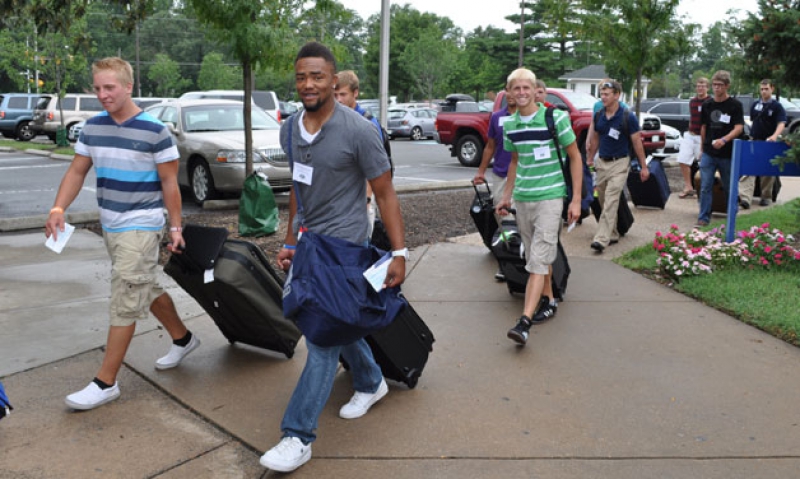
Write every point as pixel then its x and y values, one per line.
pixel 536 182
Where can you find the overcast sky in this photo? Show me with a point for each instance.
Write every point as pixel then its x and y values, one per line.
pixel 482 14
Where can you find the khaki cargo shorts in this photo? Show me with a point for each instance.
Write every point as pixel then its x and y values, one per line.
pixel 539 223
pixel 134 269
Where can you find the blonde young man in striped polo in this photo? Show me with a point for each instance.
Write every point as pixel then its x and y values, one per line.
pixel 536 182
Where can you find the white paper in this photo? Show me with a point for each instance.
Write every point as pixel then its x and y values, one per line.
pixel 571 226
pixel 376 274
pixel 63 237
pixel 208 276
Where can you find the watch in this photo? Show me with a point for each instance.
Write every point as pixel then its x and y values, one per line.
pixel 401 252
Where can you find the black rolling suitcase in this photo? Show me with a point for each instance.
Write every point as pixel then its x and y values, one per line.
pixel 402 348
pixel 507 247
pixel 234 283
pixel 654 192
pixel 482 212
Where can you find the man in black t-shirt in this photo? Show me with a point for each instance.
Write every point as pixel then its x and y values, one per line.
pixel 722 122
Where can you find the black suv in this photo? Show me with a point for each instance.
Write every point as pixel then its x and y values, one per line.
pixel 672 111
pixel 16 113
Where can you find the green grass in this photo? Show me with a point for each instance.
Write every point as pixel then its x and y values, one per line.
pixel 27 145
pixel 766 299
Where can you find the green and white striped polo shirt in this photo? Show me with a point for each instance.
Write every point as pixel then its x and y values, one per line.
pixel 539 174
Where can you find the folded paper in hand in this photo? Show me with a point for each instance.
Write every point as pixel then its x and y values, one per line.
pixel 63 237
pixel 376 274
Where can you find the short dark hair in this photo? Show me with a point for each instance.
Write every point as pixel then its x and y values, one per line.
pixel 768 82
pixel 316 50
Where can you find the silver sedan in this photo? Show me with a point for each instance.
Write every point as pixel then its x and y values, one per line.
pixel 210 139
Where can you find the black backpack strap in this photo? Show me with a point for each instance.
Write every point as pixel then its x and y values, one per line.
pixel 551 127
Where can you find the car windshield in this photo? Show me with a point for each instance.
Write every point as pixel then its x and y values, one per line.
pixel 224 118
pixel 581 101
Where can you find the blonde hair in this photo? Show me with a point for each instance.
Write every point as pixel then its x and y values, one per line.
pixel 702 80
pixel 122 68
pixel 522 74
pixel 347 78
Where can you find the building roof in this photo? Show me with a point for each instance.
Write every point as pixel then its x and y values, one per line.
pixel 591 73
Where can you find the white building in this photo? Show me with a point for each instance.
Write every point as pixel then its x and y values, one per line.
pixel 587 80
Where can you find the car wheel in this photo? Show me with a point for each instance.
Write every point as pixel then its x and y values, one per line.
pixel 201 182
pixel 416 133
pixel 469 150
pixel 24 132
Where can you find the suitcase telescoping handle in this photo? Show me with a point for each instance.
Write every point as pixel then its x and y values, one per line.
pixel 478 194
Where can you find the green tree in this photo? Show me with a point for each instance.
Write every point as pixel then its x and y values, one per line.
pixel 167 76
pixel 771 40
pixel 428 61
pixel 256 32
pixel 407 24
pixel 215 75
pixel 637 36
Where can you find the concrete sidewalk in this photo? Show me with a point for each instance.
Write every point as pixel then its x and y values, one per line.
pixel 630 380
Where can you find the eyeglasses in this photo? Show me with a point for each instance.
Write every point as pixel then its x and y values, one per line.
pixel 719 85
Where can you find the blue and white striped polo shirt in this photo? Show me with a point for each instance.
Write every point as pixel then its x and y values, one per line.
pixel 125 157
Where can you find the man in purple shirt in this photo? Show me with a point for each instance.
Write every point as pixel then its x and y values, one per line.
pixel 494 148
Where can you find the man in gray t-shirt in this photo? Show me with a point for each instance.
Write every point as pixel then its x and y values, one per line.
pixel 334 152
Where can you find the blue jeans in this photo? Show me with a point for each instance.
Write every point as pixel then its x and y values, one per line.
pixel 708 166
pixel 314 386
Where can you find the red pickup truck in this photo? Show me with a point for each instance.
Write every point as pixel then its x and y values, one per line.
pixel 467 133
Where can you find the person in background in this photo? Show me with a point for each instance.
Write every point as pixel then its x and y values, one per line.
pixel 338 152
pixel 136 162
pixel 691 148
pixel 346 92
pixel 537 184
pixel 722 122
pixel 613 141
pixel 768 120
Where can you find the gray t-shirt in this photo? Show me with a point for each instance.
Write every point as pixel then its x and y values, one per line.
pixel 345 153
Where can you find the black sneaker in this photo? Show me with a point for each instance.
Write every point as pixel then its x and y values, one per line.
pixel 519 333
pixel 545 311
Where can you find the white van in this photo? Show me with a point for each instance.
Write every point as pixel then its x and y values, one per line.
pixel 77 107
pixel 266 100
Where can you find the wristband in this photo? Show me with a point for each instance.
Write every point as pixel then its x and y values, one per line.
pixel 175 229
pixel 289 246
pixel 56 209
pixel 723 140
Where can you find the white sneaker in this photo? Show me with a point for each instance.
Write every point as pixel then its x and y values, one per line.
pixel 177 353
pixel 287 455
pixel 361 402
pixel 92 396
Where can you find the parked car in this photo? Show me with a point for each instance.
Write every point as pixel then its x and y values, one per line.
pixel 672 144
pixel 210 139
pixel 76 107
pixel 144 102
pixel 287 109
pixel 16 113
pixel 75 131
pixel 415 123
pixel 266 100
pixel 672 111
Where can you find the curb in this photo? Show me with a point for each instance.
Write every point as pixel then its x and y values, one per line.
pixel 38 221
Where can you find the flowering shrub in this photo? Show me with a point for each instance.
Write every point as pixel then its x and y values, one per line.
pixel 700 252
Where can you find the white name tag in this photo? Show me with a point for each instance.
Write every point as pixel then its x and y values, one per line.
pixel 613 133
pixel 502 120
pixel 542 153
pixel 759 107
pixel 302 173
pixel 725 119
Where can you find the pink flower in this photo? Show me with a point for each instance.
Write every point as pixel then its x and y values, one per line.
pixel 658 234
pixel 767 249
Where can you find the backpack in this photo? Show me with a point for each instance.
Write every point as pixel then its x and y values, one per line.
pixel 385 137
pixel 587 193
